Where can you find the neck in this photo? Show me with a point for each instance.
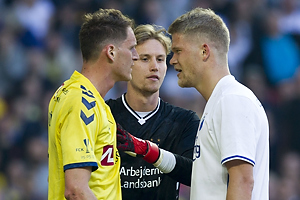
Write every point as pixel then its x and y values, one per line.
pixel 210 80
pixel 99 77
pixel 141 103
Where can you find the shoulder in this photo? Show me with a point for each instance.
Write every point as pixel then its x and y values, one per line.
pixel 78 95
pixel 229 88
pixel 113 102
pixel 178 112
pixel 239 100
pixel 240 93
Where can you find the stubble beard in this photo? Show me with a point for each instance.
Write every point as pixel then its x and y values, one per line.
pixel 183 83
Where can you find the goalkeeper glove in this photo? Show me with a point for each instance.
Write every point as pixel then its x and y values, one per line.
pixel 144 148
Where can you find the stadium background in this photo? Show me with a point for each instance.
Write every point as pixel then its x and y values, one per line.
pixel 39 49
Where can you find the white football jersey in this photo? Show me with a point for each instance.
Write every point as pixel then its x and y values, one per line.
pixel 234 125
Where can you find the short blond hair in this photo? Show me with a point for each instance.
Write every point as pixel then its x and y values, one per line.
pixel 204 23
pixel 148 31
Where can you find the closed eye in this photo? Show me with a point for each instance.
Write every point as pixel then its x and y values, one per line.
pixel 176 51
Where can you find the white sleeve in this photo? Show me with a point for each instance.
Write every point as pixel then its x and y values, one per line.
pixel 235 128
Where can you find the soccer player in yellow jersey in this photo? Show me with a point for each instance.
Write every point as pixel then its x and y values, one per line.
pixel 83 158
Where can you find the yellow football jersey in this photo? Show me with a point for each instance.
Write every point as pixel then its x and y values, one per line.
pixel 82 132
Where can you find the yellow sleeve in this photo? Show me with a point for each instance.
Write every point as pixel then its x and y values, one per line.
pixel 78 134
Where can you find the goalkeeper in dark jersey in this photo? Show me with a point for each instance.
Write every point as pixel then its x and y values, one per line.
pixel 166 132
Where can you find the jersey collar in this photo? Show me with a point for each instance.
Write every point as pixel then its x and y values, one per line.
pixel 141 120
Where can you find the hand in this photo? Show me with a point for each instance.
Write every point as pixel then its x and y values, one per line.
pixel 127 142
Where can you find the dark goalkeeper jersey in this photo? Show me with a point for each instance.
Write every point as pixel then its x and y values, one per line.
pixel 171 128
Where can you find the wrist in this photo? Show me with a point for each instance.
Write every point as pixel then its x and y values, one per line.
pixel 166 161
pixel 153 153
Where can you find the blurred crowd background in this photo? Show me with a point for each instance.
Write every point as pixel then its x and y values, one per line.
pixel 39 49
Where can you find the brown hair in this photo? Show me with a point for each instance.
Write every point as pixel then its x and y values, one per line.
pixel 100 28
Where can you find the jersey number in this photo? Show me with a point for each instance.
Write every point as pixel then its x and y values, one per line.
pixel 196 152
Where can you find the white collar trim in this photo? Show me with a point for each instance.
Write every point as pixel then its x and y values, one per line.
pixel 141 120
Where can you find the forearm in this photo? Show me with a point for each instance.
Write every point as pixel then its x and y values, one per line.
pixel 162 159
pixel 183 170
pixel 80 194
pixel 241 181
pixel 77 184
pixel 239 191
pixel 177 167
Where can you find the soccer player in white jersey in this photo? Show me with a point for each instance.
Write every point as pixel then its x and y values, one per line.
pixel 83 158
pixel 231 152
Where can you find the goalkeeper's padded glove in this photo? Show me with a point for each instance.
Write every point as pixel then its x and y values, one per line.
pixel 144 148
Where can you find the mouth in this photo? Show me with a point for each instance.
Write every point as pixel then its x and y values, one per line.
pixel 153 77
pixel 178 70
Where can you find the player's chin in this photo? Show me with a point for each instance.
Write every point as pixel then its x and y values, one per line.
pixel 152 90
pixel 125 77
pixel 182 83
pixel 128 77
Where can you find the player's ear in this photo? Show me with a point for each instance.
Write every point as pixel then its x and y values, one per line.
pixel 205 52
pixel 110 52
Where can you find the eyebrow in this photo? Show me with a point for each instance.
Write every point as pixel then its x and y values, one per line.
pixel 175 48
pixel 133 46
pixel 160 55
